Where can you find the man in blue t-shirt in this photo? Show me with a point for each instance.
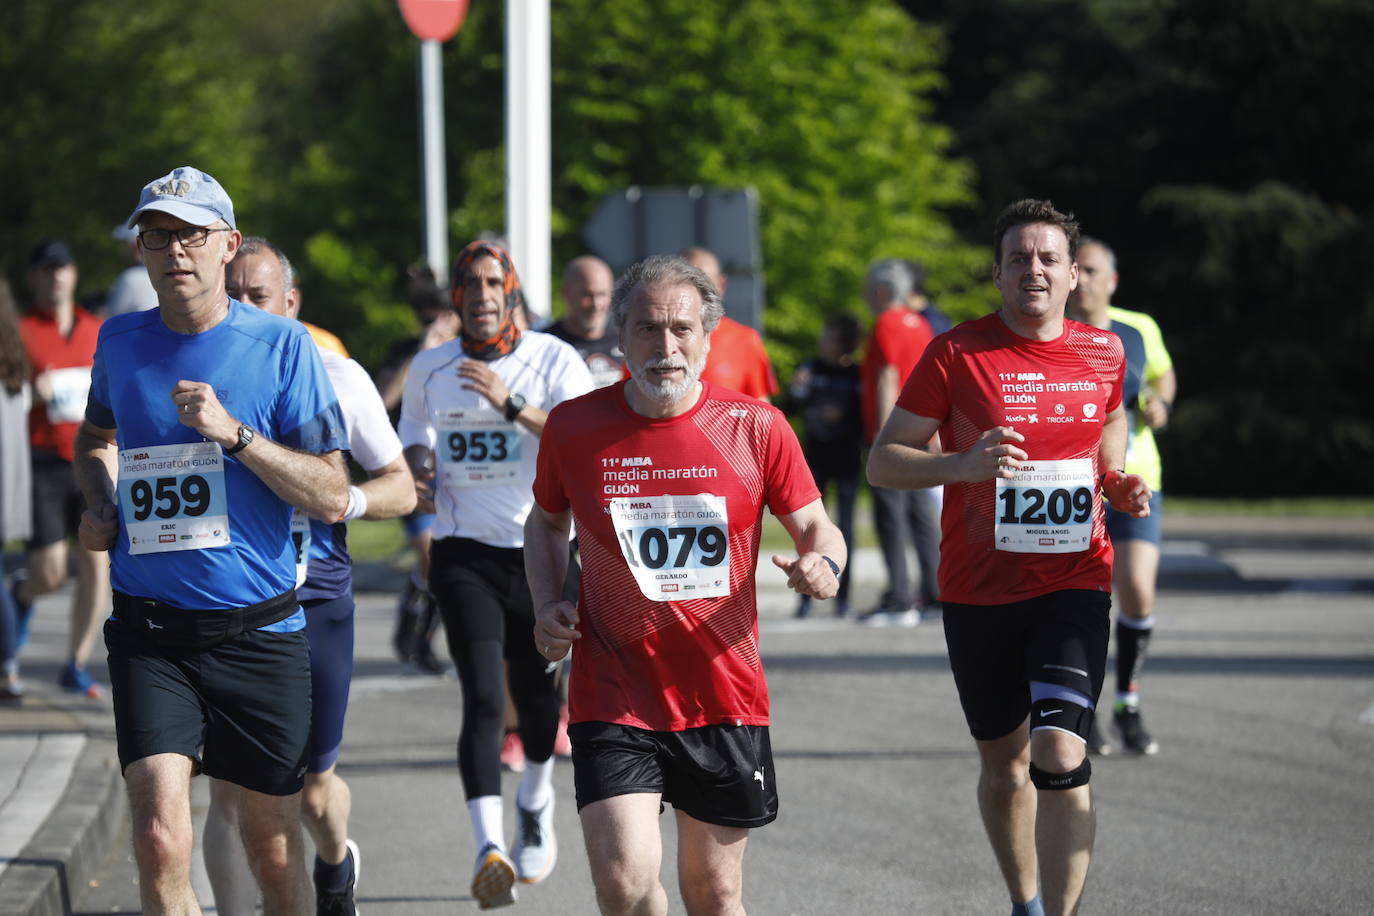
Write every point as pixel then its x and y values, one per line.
pixel 207 422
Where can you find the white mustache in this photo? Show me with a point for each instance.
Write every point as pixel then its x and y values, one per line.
pixel 664 364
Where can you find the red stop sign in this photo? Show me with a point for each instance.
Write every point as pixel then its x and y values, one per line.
pixel 434 20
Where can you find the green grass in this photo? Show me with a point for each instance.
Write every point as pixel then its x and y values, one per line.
pixel 385 542
pixel 379 542
pixel 1313 506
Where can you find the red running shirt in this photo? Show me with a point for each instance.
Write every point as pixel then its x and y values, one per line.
pixel 899 338
pixel 67 360
pixel 738 361
pixel 669 665
pixel 1056 393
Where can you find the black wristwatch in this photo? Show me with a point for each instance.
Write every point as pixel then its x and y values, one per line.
pixel 245 438
pixel 514 404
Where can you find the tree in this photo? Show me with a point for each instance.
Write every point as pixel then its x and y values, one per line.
pixel 1223 150
pixel 307 114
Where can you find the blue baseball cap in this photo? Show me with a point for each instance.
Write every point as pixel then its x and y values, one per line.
pixel 186 193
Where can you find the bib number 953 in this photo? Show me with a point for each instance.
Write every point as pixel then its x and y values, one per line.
pixel 478 446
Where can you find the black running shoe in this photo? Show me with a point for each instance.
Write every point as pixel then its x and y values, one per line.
pixel 340 903
pixel 1130 731
pixel 1097 745
pixel 407 618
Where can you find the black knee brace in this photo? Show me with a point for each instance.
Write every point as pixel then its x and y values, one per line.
pixel 1065 715
pixel 1070 780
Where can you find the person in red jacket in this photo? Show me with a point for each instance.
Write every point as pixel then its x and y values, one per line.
pixel 900 516
pixel 60 337
pixel 737 359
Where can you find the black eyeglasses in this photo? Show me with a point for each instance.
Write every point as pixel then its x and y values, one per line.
pixel 188 236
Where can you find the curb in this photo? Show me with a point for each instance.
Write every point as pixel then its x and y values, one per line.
pixel 68 849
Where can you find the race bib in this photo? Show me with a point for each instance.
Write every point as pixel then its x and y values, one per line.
pixel 171 497
pixel 477 448
pixel 1046 508
pixel 70 387
pixel 300 542
pixel 677 547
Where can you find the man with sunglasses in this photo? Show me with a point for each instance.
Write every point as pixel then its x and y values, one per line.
pixel 207 422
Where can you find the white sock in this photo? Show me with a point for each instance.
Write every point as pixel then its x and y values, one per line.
pixel 487 821
pixel 536 786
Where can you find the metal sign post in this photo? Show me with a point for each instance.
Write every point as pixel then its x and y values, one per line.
pixel 529 199
pixel 433 22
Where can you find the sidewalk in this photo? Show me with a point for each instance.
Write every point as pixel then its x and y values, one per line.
pixel 62 802
pixel 61 797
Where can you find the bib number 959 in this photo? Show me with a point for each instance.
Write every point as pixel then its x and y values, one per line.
pixel 169 497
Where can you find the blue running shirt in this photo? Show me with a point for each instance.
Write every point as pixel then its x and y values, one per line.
pixel 267 373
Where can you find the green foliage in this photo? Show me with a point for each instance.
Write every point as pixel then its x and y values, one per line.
pixel 823 108
pixel 1224 150
pixel 100 99
pixel 307 113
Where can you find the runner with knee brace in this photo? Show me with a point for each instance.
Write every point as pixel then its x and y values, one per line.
pixel 1020 415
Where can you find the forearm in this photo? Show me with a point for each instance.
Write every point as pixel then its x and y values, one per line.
pixel 885 394
pixel 315 484
pixel 390 491
pixel 1111 454
pixel 96 467
pixel 533 419
pixel 546 556
pixel 391 385
pixel 1166 387
pixel 824 539
pixel 905 467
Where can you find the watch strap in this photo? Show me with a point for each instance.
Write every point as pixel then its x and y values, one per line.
pixel 246 435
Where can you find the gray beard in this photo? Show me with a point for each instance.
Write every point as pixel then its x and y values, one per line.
pixel 665 392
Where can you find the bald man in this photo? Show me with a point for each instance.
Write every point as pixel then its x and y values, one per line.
pixel 737 359
pixel 587 285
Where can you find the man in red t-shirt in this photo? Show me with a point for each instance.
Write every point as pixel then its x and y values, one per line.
pixel 667 476
pixel 1028 414
pixel 737 360
pixel 900 517
pixel 60 339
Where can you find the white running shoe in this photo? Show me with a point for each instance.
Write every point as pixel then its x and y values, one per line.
pixel 536 848
pixel 493 878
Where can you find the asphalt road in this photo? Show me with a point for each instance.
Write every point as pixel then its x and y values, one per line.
pixel 1259 688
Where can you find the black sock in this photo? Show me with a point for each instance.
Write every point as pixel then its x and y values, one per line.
pixel 1131 645
pixel 334 878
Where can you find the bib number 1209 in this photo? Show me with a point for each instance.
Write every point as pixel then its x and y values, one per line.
pixel 1037 506
pixel 686 546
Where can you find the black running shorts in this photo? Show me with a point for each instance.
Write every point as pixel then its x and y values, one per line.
pixel 996 650
pixel 717 774
pixel 57 500
pixel 246 702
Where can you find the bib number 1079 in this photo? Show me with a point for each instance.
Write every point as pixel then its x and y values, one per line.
pixel 1041 506
pixel 685 546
